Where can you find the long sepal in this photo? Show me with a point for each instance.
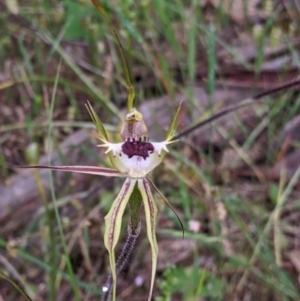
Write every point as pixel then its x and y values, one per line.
pixel 172 129
pixel 131 93
pixel 92 170
pixel 168 204
pixel 96 120
pixel 113 222
pixel 231 108
pixel 151 216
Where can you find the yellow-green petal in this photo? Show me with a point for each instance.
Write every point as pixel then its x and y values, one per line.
pixel 113 222
pixel 151 216
pixel 168 204
pixel 96 120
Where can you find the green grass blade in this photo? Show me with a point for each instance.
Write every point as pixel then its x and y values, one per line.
pixel 59 222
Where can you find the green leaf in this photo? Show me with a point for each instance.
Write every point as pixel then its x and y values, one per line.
pixel 151 216
pixel 172 129
pixel 96 120
pixel 113 222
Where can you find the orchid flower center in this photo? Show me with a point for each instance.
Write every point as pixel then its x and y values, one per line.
pixel 136 157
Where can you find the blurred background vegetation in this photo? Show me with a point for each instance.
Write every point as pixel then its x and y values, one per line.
pixel 234 184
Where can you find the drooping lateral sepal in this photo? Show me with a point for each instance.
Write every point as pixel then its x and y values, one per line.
pixel 151 217
pixel 113 222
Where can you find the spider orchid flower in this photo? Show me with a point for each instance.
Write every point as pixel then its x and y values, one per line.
pixel 134 158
